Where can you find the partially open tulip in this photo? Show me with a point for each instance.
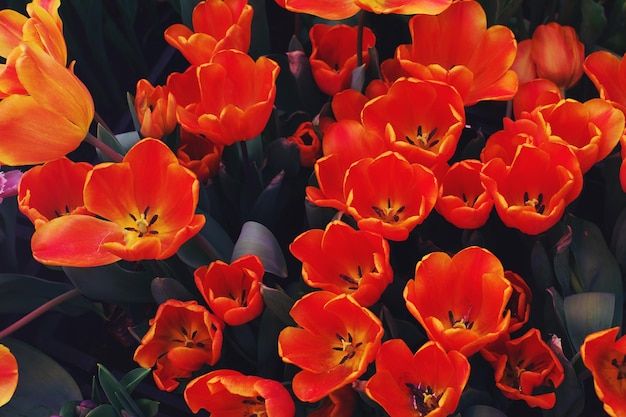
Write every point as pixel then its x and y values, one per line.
pixel 333 57
pixel 225 392
pixel 605 356
pixel 235 97
pixel 608 73
pixel 342 9
pixel 460 314
pixel 217 25
pixel 156 109
pixel 342 260
pixel 8 375
pixel 335 342
pixel 199 155
pixel 429 382
pixel 308 142
pixel 182 337
pixel 476 60
pixel 136 216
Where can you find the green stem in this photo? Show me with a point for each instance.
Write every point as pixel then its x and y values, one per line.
pixel 104 148
pixel 39 311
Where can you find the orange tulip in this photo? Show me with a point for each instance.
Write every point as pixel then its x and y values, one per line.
pixel 199 155
pixel 137 218
pixel 533 94
pixel 63 106
pixel 388 195
pixel 527 369
pixel 476 60
pixel 217 25
pixel 463 201
pixel 52 190
pixel 608 75
pixel 236 98
pixel 424 131
pixel 460 314
pixel 333 56
pixel 156 110
pixel 233 292
pixel 558 54
pixel 591 129
pixel 429 382
pixel 342 9
pixel 531 194
pixel 335 341
pixel 8 375
pixel 182 337
pixel 605 357
pixel 225 392
pixel 309 143
pixel 519 304
pixel 339 403
pixel 342 260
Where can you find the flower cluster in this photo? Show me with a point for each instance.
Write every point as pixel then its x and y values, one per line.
pixel 327 231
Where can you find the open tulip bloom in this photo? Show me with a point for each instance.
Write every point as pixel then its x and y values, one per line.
pixel 313 208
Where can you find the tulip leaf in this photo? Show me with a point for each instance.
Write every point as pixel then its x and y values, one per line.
pixel 269 204
pixel 212 244
pixel 260 32
pixel 128 140
pixel 43 385
pixel 23 293
pixel 256 239
pixel 541 267
pixel 587 313
pixel 116 393
pixel 109 139
pixel 277 300
pixel 186 10
pixel 268 360
pixel 559 312
pixel 150 408
pixel 164 289
pixel 133 378
pixel 596 267
pixel 570 398
pixel 283 155
pixel 593 22
pixel 133 111
pixel 104 410
pixel 112 283
pixel 482 411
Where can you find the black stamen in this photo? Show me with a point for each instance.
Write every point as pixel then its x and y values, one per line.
pixel 145 212
pixel 408 139
pixel 132 217
pixel 153 219
pixel 431 135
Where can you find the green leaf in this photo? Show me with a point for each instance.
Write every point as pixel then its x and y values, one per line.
pixel 104 410
pixel 127 140
pixel 116 393
pixel 279 303
pixel 108 139
pixel 164 289
pixel 186 10
pixel 150 408
pixel 587 313
pixel 541 267
pixel 112 283
pixel 268 206
pixel 133 112
pixel 133 378
pixel 283 155
pixel 69 408
pixel 23 293
pixel 213 244
pixel 482 411
pixel 43 386
pixel 268 359
pixel 593 22
pixel 260 34
pixel 570 397
pixel 256 239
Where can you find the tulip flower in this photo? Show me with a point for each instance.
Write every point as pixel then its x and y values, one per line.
pixel 199 155
pixel 463 200
pixel 519 303
pixel 137 218
pixel 424 131
pixel 474 59
pixel 342 260
pixel 337 10
pixel 217 25
pixel 233 292
pixel 460 314
pixel 226 392
pixel 52 190
pixel 532 94
pixel 335 341
pixel 236 97
pixel 429 382
pixel 608 75
pixel 531 194
pixel 388 195
pixel 605 357
pixel 63 106
pixel 339 403
pixel 527 369
pixel 308 142
pixel 333 56
pixel 156 109
pixel 182 337
pixel 8 375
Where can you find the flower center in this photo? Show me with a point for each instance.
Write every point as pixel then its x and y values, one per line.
pixel 354 282
pixel 513 372
pixel 143 226
pixel 422 140
pixel 621 368
pixel 388 214
pixel 423 399
pixel 241 299
pixel 347 346
pixel 254 407
pixel 188 339
pixel 65 212
pixel 462 322
pixel 536 203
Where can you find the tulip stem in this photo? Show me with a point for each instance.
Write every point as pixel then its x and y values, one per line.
pixel 39 311
pixel 104 148
pixel 247 167
pixel 359 39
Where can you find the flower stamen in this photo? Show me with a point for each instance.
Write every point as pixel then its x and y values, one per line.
pixel 536 203
pixel 423 400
